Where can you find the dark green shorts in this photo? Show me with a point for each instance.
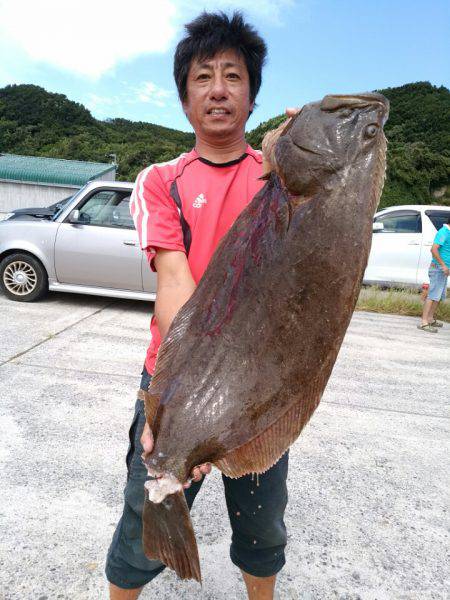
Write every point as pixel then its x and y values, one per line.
pixel 255 511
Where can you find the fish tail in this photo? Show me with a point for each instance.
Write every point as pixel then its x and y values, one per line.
pixel 168 535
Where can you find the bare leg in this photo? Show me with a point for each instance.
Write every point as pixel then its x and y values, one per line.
pixel 427 311
pixel 432 311
pixel 116 593
pixel 259 588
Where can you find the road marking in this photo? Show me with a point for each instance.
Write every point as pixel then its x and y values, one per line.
pixel 392 410
pixel 82 372
pixel 53 335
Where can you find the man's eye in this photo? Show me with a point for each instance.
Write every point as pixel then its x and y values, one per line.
pixel 202 76
pixel 233 76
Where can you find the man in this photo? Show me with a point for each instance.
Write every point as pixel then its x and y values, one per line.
pixel 181 210
pixel 438 274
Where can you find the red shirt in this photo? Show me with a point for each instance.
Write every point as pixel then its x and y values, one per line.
pixel 189 204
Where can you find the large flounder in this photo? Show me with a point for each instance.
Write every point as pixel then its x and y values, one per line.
pixel 246 360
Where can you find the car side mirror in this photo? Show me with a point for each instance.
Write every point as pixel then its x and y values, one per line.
pixel 377 227
pixel 74 216
pixel 81 218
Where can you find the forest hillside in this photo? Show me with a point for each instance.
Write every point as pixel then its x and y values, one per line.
pixel 36 122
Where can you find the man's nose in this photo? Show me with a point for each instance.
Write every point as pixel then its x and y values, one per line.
pixel 218 89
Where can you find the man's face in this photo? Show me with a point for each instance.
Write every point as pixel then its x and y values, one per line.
pixel 218 96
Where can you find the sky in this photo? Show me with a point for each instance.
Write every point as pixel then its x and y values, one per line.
pixel 116 57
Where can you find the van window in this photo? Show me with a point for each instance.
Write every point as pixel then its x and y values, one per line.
pixel 400 222
pixel 438 217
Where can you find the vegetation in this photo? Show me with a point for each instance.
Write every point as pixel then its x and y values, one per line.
pixel 36 122
pixel 418 132
pixel 398 302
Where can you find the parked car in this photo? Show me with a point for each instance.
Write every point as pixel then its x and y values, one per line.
pixel 401 244
pixel 85 244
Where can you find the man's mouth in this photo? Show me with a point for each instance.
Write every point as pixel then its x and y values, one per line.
pixel 218 111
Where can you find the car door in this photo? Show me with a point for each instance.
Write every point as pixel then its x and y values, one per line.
pixel 395 252
pixel 102 248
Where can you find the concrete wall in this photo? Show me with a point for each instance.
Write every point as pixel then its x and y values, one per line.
pixel 22 194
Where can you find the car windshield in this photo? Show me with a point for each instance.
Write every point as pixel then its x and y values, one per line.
pixel 59 206
pixel 62 204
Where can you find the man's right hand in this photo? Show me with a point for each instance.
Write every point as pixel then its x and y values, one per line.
pixel 147 439
pixel 147 444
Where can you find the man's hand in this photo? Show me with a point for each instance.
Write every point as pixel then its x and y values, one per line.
pixel 291 112
pixel 147 444
pixel 198 472
pixel 147 439
pixel 446 270
pixel 270 140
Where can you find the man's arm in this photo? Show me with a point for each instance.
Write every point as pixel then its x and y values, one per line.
pixel 437 256
pixel 175 285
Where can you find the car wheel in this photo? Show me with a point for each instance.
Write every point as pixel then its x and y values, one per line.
pixel 23 278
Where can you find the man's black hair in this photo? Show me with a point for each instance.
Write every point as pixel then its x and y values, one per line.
pixel 211 33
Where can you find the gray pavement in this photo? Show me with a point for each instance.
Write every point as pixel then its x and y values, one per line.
pixel 369 483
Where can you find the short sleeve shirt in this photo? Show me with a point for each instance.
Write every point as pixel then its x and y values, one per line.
pixel 189 204
pixel 442 238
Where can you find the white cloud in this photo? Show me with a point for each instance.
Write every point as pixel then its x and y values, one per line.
pixel 153 94
pixel 90 37
pixel 87 37
pixel 272 10
pixel 147 93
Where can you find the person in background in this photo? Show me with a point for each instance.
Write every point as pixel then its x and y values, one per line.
pixel 438 274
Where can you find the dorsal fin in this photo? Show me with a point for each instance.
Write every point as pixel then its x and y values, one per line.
pixel 170 345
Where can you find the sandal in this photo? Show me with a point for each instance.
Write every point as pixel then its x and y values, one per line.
pixel 428 328
pixel 436 324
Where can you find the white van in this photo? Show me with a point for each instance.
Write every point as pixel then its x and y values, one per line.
pixel 401 244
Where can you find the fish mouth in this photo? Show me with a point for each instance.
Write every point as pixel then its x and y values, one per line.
pixel 332 103
pixel 305 149
pixel 161 485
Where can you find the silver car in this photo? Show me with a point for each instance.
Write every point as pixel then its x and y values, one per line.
pixel 86 244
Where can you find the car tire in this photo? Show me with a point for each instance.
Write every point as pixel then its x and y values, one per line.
pixel 23 277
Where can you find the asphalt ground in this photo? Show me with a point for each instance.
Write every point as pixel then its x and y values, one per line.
pixel 369 483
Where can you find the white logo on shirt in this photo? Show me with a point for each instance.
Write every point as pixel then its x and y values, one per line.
pixel 199 201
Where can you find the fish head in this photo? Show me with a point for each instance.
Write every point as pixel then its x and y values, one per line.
pixel 330 139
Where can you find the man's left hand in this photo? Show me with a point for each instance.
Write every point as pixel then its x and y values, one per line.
pixel 198 472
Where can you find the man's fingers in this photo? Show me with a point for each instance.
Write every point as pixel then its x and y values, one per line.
pixel 291 112
pixel 198 472
pixel 147 439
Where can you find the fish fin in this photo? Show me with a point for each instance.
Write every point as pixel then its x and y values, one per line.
pixel 151 403
pixel 168 535
pixel 263 451
pixel 170 345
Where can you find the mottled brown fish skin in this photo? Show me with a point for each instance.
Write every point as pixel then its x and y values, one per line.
pixel 247 358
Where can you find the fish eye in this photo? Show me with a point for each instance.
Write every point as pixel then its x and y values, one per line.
pixel 371 130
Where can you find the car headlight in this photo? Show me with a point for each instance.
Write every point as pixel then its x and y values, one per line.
pixel 4 216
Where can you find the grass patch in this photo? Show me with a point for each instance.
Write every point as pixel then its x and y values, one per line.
pixel 397 302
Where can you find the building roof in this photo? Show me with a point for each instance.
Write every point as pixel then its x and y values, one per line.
pixel 38 169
